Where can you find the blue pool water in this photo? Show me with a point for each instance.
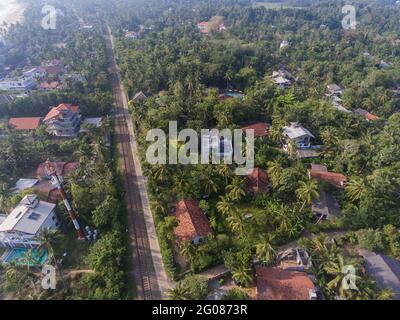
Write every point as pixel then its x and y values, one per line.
pixel 234 95
pixel 17 256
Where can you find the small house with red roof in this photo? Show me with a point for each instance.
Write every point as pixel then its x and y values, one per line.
pixel 62 169
pixel 364 113
pixel 52 85
pixel 193 224
pixel 278 284
pixel 203 27
pixel 321 173
pixel 63 120
pixel 261 129
pixel 25 124
pixel 257 181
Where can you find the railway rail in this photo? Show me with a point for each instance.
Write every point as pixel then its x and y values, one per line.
pixel 143 267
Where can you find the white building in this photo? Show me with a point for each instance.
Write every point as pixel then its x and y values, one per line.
pixel 23 84
pixel 282 78
pixel 334 90
pixel 24 224
pixel 297 133
pixel 284 44
pixel 35 72
pixel 23 184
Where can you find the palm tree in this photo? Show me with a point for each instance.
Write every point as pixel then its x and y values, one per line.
pixel 307 192
pixel 159 172
pixel 48 239
pixel 209 181
pixel 236 189
pixel 187 250
pixel 286 100
pixel 236 223
pixel 265 250
pixel 385 294
pixel 225 205
pixel 274 172
pixel 330 140
pixel 292 149
pixel 340 281
pixel 242 276
pixel 356 188
pixel 228 77
pixel 180 292
pixel 28 259
pixel 224 172
pixel 369 103
pixel 275 132
pixel 4 194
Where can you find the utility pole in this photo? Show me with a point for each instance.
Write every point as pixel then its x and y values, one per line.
pixel 51 170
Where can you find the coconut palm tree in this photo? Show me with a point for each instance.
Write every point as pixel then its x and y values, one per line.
pixel 209 181
pixel 180 292
pixel 224 172
pixel 229 76
pixel 292 149
pixel 307 192
pixel 339 283
pixel 187 250
pixel 242 276
pixel 385 294
pixel 330 140
pixel 265 251
pixel 48 239
pixel 236 223
pixel 225 205
pixel 356 188
pixel 159 172
pixel 236 189
pixel 275 132
pixel 369 103
pixel 4 194
pixel 274 172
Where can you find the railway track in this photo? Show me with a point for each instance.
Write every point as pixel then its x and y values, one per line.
pixel 143 267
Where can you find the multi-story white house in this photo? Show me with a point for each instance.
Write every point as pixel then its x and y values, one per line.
pixel 297 133
pixel 63 121
pixel 21 228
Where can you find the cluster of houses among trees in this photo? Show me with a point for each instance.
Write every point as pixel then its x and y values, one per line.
pixel 306 179
pixel 323 193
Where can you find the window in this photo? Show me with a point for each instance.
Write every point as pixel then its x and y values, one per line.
pixel 34 216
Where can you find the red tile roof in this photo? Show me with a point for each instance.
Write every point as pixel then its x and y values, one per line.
pixel 25 123
pixel 371 117
pixel 53 196
pixel 336 179
pixel 192 222
pixel 279 284
pixel 54 112
pixel 48 191
pixel 257 181
pixel 260 129
pixel 364 113
pixel 63 168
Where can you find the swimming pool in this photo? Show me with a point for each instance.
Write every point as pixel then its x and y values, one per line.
pixel 39 257
pixel 234 95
